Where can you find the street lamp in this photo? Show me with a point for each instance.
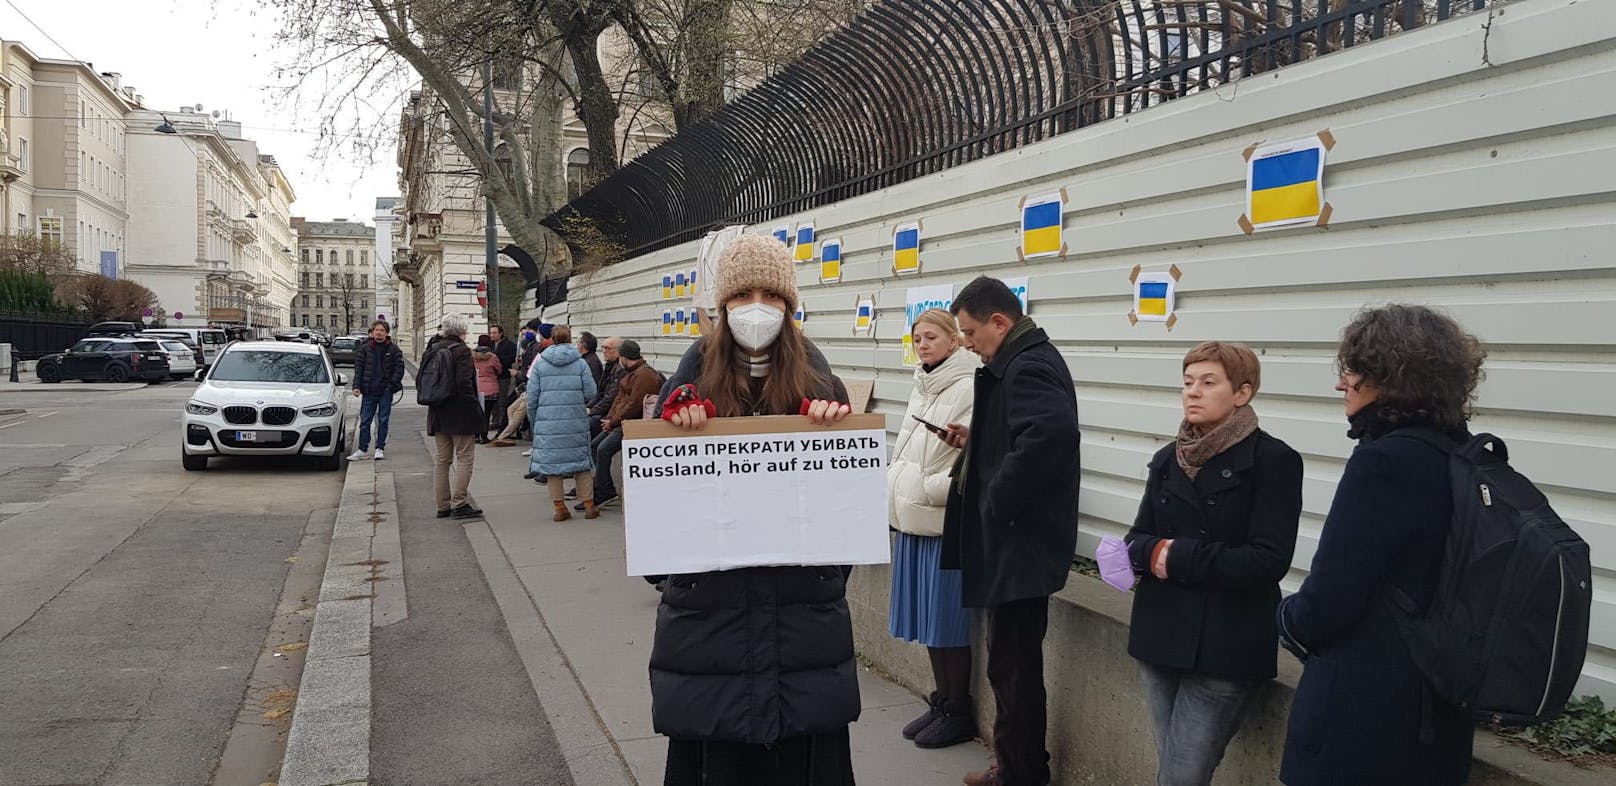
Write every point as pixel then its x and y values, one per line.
pixel 166 127
pixel 251 214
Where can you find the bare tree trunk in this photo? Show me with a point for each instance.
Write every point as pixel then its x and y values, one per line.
pixel 597 108
pixel 706 52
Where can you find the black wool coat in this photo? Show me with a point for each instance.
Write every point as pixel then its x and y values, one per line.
pixel 461 414
pixel 507 351
pixel 754 655
pixel 1360 708
pixel 1011 526
pixel 1233 530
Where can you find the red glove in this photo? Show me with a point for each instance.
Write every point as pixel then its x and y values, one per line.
pixel 684 397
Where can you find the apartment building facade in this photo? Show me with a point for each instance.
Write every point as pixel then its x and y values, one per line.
pixel 336 275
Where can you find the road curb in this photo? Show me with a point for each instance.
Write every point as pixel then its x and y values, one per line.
pixel 330 738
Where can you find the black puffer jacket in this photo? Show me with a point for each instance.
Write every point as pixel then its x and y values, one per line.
pixel 754 655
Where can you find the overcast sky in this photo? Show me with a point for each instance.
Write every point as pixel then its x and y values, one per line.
pixel 221 54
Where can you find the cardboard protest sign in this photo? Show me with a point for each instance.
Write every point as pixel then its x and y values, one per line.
pixel 747 492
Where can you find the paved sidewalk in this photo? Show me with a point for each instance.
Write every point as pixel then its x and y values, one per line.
pixel 601 621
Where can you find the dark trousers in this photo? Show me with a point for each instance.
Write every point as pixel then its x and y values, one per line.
pixel 500 419
pixel 606 447
pixel 1016 672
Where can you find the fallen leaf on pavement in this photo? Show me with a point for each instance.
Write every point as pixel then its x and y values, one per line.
pixel 293 647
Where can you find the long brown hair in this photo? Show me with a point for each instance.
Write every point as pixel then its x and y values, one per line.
pixel 725 380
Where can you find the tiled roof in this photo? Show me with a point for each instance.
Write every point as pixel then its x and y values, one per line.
pixel 329 228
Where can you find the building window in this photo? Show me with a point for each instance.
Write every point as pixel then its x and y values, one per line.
pixel 305 301
pixel 335 321
pixel 305 320
pixel 24 105
pixel 83 110
pixel 577 172
pixel 319 320
pixel 319 301
pixel 22 223
pixel 50 230
pixel 364 304
pixel 364 257
pixel 319 256
pixel 305 261
pixel 350 256
pixel 319 281
pixel 305 273
pixel 22 153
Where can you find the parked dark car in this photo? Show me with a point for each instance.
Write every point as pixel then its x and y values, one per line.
pixel 96 359
pixel 342 350
pixel 115 329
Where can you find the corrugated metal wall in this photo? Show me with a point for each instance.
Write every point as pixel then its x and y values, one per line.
pixel 1473 170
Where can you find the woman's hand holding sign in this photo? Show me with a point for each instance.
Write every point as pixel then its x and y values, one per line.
pixel 821 412
pixel 688 410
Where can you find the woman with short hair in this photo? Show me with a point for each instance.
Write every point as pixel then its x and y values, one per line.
pixel 1214 535
pixel 1363 713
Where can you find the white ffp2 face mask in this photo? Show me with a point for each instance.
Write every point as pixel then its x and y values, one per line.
pixel 755 326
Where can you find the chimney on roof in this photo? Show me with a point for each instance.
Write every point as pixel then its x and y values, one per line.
pixel 114 79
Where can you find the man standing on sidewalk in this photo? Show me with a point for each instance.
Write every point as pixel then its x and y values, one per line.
pixel 506 350
pixel 1011 524
pixel 378 374
pixel 638 381
pixel 454 422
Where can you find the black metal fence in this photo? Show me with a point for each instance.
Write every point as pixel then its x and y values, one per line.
pixel 34 335
pixel 913 87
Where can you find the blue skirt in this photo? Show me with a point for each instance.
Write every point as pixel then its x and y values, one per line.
pixel 926 605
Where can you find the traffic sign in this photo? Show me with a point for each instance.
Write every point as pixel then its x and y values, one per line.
pixel 482 294
pixel 179 315
pixel 147 313
pixel 469 284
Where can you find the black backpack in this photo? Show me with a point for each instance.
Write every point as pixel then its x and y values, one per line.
pixel 1505 634
pixel 435 384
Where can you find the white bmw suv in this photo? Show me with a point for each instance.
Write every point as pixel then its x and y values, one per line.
pixel 266 398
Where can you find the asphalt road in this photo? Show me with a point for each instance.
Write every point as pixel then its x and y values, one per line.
pixel 137 598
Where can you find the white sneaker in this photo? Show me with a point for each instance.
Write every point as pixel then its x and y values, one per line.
pixel 379 455
pixel 358 455
pixel 527 453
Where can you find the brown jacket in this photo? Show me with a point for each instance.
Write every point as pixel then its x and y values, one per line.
pixel 639 382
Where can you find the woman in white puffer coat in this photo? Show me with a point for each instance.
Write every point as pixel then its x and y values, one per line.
pixel 926 604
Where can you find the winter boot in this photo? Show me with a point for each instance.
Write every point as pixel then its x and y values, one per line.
pixel 956 724
pixel 590 511
pixel 561 514
pixel 919 724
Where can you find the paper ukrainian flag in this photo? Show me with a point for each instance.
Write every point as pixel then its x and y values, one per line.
pixel 783 234
pixel 906 249
pixel 679 322
pixel 667 287
pixel 866 314
pixel 1153 298
pixel 667 323
pixel 799 317
pixel 679 284
pixel 1286 186
pixel 830 262
pixel 1041 227
pixel 695 323
pixel 805 243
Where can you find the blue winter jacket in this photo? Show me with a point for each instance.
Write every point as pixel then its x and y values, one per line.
pixel 558 386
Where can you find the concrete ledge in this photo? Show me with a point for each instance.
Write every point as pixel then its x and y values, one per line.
pixel 330 738
pixel 1099 729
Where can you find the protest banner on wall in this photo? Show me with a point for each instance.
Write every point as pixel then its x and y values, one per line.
pixel 746 492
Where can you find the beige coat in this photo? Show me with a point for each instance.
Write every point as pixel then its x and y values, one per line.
pixel 918 477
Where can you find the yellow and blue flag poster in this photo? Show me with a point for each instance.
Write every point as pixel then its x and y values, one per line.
pixel 906 249
pixel 799 316
pixel 695 323
pixel 1041 226
pixel 864 314
pixel 1153 296
pixel 667 323
pixel 830 261
pixel 804 251
pixel 1285 183
pixel 667 286
pixel 679 284
pixel 783 234
pixel 679 322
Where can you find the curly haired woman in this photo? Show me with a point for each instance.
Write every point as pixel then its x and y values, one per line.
pixel 1362 712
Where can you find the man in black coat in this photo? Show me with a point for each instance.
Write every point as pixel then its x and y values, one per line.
pixel 455 424
pixel 1011 524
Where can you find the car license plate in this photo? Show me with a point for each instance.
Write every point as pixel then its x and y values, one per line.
pixel 155 357
pixel 246 436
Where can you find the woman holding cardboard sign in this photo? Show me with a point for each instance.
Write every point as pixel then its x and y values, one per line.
pixel 926 604
pixel 752 671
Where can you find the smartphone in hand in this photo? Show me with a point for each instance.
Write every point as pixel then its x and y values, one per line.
pixel 932 427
